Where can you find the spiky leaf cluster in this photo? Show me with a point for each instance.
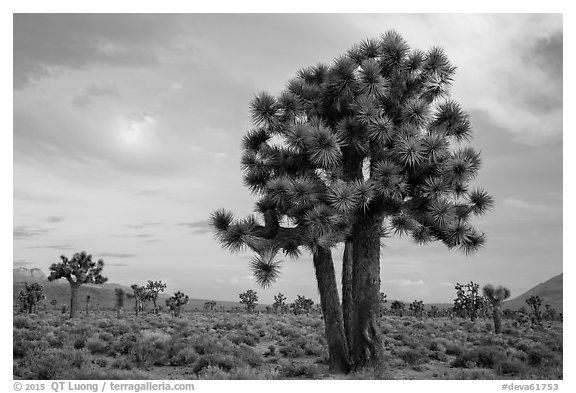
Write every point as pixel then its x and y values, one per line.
pixel 78 270
pixel 374 132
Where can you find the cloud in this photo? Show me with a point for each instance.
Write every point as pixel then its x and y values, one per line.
pixel 405 282
pixel 22 262
pixel 84 100
pixel 54 219
pixel 522 205
pixel 198 227
pixel 115 255
pixel 24 232
pixel 116 264
pixel 55 247
pixel 144 225
pixel 46 44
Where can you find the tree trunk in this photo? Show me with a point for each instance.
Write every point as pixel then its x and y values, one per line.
pixel 73 300
pixel 330 303
pixel 497 320
pixel 366 349
pixel 136 306
pixel 347 299
pixel 155 308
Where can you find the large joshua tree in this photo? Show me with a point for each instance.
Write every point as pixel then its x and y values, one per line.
pixel 496 296
pixel 78 270
pixel 348 153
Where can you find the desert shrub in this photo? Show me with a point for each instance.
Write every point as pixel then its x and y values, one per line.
pixel 95 345
pixel 411 356
pixel 119 328
pixel 51 364
pixel 22 322
pixel 122 363
pixel 105 336
pixel 512 367
pixel 55 341
pixel 224 362
pixel 79 342
pixel 247 338
pixel 248 355
pixel 213 373
pixel 184 357
pixel 96 373
pixel 126 343
pixel 151 349
pixel 292 370
pixel 453 349
pixel 486 357
pixel 102 362
pixel 206 344
pixel 291 351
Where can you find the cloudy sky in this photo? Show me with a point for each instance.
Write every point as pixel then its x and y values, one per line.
pixel 127 136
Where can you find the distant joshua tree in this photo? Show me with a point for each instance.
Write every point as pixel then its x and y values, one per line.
pixel 496 297
pixel 140 295
pixel 87 303
pixel 153 289
pixel 249 299
pixel 78 271
pixel 176 301
pixel 398 307
pixel 468 301
pixel 210 305
pixel 535 303
pixel 279 301
pixel 302 305
pixel 120 295
pixel 30 296
pixel 416 308
pixel 54 302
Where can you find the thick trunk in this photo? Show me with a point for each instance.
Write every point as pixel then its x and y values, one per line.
pixel 497 320
pixel 347 304
pixel 330 303
pixel 73 300
pixel 366 349
pixel 136 306
pixel 155 308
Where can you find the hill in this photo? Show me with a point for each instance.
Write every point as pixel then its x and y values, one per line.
pixel 550 291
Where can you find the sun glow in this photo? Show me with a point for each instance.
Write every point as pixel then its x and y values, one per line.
pixel 137 131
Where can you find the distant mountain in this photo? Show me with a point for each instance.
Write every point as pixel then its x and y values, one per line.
pixel 550 292
pixel 22 274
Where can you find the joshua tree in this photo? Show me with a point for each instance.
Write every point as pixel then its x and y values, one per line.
pixel 496 297
pixel 209 306
pixel 433 312
pixel 279 301
pixel 78 271
pixel 383 301
pixel 249 299
pixel 153 289
pixel 54 302
pixel 87 303
pixel 468 301
pixel 398 307
pixel 120 295
pixel 416 308
pixel 140 295
pixel 30 296
pixel 176 301
pixel 369 146
pixel 535 303
pixel 301 305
